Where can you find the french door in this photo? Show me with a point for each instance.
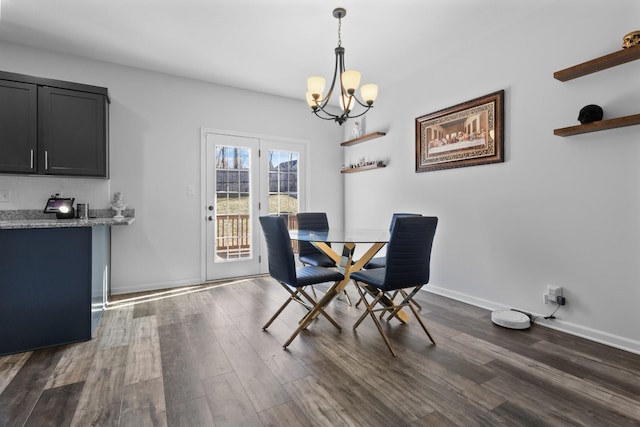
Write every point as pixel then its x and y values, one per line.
pixel 246 177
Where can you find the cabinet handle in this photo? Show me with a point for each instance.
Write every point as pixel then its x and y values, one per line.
pixel 31 160
pixel 46 160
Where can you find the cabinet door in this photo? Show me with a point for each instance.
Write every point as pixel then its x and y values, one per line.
pixel 72 133
pixel 18 127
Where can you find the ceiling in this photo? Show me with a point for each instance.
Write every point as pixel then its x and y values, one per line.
pixel 269 46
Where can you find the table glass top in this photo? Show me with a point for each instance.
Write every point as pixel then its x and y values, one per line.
pixel 337 235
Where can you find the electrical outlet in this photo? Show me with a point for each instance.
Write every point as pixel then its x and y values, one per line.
pixel 554 292
pixel 5 196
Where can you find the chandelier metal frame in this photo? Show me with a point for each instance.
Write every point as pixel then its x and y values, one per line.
pixel 348 95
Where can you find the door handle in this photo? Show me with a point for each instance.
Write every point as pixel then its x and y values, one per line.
pixel 210 218
pixel 210 207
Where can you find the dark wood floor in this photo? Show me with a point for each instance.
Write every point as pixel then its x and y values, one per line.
pixel 202 359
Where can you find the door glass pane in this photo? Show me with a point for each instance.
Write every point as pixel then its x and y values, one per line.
pixel 233 199
pixel 283 185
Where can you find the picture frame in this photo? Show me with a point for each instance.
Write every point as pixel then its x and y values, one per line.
pixel 467 134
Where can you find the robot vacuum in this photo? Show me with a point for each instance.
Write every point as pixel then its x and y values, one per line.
pixel 511 319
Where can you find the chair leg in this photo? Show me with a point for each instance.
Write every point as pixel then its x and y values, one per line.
pixel 391 306
pixel 346 295
pixel 366 304
pixel 393 297
pixel 418 318
pixel 317 309
pixel 359 301
pixel 321 311
pixel 406 301
pixel 370 312
pixel 292 297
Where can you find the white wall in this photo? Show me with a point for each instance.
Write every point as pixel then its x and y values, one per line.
pixel 155 146
pixel 560 211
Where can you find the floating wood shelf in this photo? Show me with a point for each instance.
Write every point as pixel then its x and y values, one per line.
pixel 363 138
pixel 611 60
pixel 600 125
pixel 363 168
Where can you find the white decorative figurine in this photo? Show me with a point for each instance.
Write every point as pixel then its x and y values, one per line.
pixel 118 205
pixel 356 132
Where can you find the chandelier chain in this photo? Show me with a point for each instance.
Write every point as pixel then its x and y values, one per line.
pixel 339 32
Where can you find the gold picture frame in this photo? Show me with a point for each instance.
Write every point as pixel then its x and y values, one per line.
pixel 467 134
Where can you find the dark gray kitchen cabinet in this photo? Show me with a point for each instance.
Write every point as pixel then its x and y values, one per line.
pixel 71 133
pixel 18 127
pixel 68 122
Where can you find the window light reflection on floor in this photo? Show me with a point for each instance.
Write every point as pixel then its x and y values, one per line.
pixel 170 293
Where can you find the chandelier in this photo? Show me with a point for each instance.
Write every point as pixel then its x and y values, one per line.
pixel 348 81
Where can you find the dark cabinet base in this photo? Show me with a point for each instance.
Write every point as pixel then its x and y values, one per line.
pixel 46 278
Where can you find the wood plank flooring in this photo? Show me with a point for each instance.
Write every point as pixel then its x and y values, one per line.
pixel 200 358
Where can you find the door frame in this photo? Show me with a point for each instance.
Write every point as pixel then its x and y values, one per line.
pixel 303 186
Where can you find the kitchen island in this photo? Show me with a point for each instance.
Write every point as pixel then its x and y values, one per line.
pixel 54 278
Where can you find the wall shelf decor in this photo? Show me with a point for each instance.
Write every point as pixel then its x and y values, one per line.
pixel 363 138
pixel 599 125
pixel 602 63
pixel 363 168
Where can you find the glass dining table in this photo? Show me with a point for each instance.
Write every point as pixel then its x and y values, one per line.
pixel 373 240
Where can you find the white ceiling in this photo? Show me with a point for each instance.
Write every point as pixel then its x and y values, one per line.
pixel 270 46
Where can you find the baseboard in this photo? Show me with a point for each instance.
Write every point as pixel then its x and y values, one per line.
pixel 595 335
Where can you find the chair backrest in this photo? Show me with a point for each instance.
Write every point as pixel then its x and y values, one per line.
pixel 315 221
pixel 399 215
pixel 282 265
pixel 409 252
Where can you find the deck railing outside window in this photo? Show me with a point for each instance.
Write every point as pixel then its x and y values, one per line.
pixel 233 234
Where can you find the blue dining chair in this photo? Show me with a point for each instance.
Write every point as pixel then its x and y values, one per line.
pixel 408 266
pixel 309 254
pixel 294 279
pixel 380 262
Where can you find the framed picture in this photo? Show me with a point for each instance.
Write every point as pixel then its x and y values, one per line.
pixel 466 134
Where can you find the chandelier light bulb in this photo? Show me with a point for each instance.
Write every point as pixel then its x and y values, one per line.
pixel 369 93
pixel 350 81
pixel 346 103
pixel 315 86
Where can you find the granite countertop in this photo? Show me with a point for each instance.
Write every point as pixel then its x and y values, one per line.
pixel 36 219
pixel 62 223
